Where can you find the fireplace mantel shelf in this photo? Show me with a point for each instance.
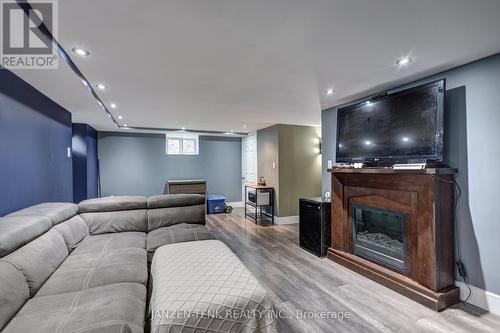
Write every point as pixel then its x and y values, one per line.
pixel 391 171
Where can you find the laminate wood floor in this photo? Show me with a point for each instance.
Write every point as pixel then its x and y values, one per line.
pixel 299 282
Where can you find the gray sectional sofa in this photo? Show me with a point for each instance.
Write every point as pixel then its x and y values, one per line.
pixel 84 268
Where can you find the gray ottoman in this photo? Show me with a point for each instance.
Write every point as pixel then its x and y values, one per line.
pixel 203 286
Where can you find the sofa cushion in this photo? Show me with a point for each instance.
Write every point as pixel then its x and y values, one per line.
pixel 73 231
pixel 84 271
pixel 57 212
pixel 175 200
pixel 39 258
pixel 165 217
pixel 112 204
pixel 14 291
pixel 110 222
pixel 16 231
pixel 176 234
pixel 84 311
pixel 121 240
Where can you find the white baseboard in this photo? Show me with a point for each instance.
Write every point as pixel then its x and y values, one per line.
pixel 286 219
pixel 481 298
pixel 236 204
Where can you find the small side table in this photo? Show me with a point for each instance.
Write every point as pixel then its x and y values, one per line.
pixel 257 199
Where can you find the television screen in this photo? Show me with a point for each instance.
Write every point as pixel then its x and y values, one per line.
pixel 401 126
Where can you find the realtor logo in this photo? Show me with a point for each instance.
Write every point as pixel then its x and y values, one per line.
pixel 25 43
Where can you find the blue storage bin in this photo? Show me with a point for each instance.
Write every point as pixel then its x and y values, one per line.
pixel 215 203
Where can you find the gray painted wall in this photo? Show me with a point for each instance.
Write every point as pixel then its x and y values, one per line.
pixel 294 150
pixel 472 125
pixel 136 164
pixel 300 166
pixel 267 153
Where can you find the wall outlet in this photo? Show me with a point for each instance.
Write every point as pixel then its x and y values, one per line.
pixel 68 152
pixel 330 164
pixel 274 165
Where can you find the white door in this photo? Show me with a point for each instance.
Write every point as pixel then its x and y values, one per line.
pixel 249 161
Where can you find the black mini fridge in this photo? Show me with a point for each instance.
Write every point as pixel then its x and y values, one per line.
pixel 314 225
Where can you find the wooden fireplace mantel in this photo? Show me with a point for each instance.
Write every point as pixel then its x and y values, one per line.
pixel 391 171
pixel 426 199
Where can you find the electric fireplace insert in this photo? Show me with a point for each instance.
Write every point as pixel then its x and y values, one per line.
pixel 380 236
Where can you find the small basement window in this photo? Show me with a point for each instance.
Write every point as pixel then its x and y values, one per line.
pixel 185 144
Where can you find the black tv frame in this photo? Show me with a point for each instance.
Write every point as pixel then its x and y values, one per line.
pixel 437 158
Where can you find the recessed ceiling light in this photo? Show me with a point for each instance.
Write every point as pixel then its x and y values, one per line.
pixel 330 91
pixel 125 125
pixel 113 105
pixel 403 61
pixel 120 117
pixel 368 103
pixel 80 52
pixel 244 126
pixel 101 86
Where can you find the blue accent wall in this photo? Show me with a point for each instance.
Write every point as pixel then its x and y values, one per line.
pixel 85 163
pixel 92 164
pixel 35 134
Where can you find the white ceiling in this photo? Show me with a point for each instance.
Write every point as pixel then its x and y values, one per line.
pixel 220 64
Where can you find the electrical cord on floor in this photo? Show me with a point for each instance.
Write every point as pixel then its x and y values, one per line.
pixel 459 263
pixel 468 287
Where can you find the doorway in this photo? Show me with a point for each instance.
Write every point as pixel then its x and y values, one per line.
pixel 249 162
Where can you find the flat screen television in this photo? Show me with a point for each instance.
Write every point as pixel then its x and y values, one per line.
pixel 400 127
